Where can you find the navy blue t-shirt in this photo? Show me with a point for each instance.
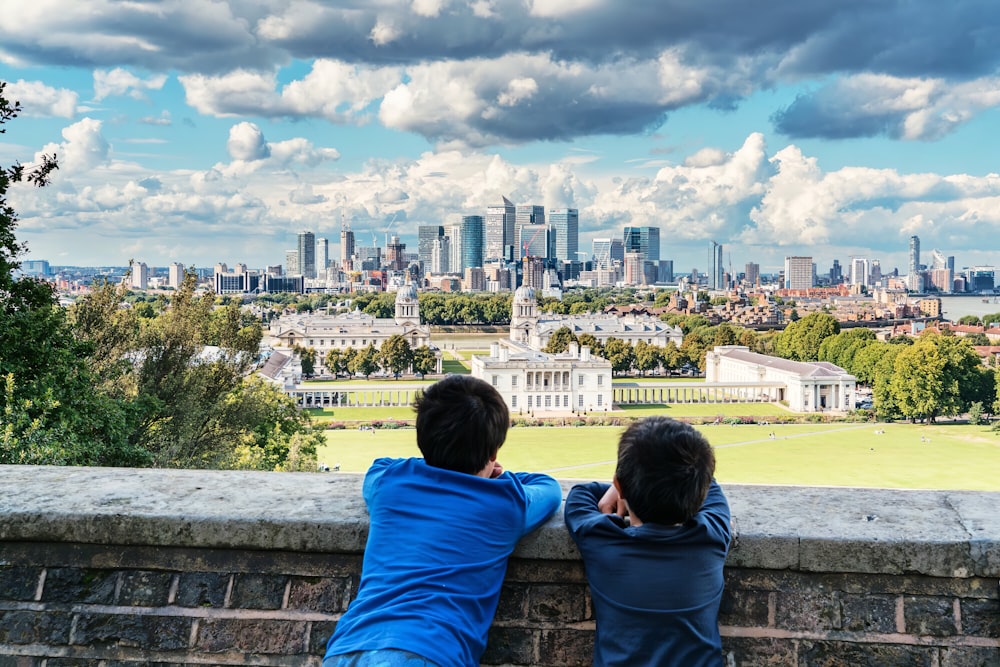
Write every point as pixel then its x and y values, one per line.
pixel 656 589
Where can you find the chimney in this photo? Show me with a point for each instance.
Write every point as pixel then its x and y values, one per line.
pixel 585 353
pixel 574 350
pixel 504 353
pixel 494 350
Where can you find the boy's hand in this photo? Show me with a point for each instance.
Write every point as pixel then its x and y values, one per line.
pixel 611 502
pixel 497 470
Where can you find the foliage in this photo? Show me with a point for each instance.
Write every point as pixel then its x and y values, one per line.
pixel 559 340
pixel 364 362
pixel 976 413
pixel 801 339
pixel 307 357
pixel 647 357
pixel 620 354
pixel 970 320
pixel 336 361
pixel 938 375
pixel 395 355
pixel 424 361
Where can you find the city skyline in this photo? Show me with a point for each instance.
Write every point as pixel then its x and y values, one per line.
pixel 204 133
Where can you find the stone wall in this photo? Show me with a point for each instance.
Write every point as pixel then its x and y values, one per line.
pixel 125 567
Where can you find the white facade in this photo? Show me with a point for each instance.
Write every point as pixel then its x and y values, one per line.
pixel 533 382
pixel 534 330
pixel 809 386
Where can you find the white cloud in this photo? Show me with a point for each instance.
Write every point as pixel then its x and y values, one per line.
pixel 84 147
pixel 247 143
pixel 38 99
pixel 122 82
pixel 561 8
pixel 383 33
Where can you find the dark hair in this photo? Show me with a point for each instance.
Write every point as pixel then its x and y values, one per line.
pixel 461 423
pixel 664 469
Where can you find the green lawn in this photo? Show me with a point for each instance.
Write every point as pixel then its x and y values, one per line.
pixel 952 457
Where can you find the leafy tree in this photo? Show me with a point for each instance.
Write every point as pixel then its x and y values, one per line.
pixel 307 357
pixel 992 318
pixel 841 348
pixel 970 320
pixel 559 340
pixel 978 338
pixel 336 361
pixel 801 339
pixel 395 355
pixel 424 361
pixel 620 354
pixel 938 375
pixel 364 361
pixel 647 357
pixel 670 356
pixel 976 413
pixel 383 304
pixel 696 345
pixel 590 341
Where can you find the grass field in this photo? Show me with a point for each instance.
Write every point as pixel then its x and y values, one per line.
pixel 946 456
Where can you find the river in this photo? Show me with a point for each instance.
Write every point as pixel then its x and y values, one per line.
pixel 954 307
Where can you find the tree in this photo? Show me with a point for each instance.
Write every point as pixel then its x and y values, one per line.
pixel 424 361
pixel 970 320
pixel 395 355
pixel 364 361
pixel 588 340
pixel 937 375
pixel 559 340
pixel 978 338
pixel 620 354
pixel 336 361
pixel 307 357
pixel 801 339
pixel 647 357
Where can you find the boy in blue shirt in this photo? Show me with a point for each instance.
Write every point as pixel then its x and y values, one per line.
pixel 655 581
pixel 441 531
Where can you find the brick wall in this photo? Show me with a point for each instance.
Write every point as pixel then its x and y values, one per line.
pixel 109 567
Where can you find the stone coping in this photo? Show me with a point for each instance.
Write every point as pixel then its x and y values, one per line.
pixel 812 529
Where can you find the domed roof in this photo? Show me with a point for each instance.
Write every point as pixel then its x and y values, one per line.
pixel 524 293
pixel 406 293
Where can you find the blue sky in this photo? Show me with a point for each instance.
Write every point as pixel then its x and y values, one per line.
pixel 206 131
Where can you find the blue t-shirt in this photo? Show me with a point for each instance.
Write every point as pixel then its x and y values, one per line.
pixel 656 589
pixel 436 556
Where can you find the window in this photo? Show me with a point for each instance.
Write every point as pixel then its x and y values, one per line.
pixel 600 380
pixel 513 401
pixel 311 342
pixel 496 380
pixel 513 382
pixel 579 400
pixel 529 402
pixel 579 379
pixel 548 401
pixel 565 400
pixel 600 400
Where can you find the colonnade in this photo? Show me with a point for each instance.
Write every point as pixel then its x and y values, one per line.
pixel 660 393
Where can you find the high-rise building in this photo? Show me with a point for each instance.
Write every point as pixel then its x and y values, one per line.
pixel 140 275
pixel 441 255
pixel 175 275
pixel 499 232
pixel 859 271
pixel 307 254
pixel 913 280
pixel 634 268
pixel 752 274
pixel 566 224
pixel 535 241
pixel 292 263
pixel 322 255
pixel 602 252
pixel 427 235
pixel 471 249
pixel 346 246
pixel 524 215
pixel 666 273
pixel 715 269
pixel 799 272
pixel 644 240
pixel 836 273
pixel 395 256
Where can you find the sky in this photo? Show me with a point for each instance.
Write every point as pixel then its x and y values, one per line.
pixel 206 131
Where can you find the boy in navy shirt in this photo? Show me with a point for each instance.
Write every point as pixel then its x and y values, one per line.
pixel 441 531
pixel 655 581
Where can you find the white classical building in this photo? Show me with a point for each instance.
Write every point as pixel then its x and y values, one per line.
pixel 352 330
pixel 530 327
pixel 534 382
pixel 817 386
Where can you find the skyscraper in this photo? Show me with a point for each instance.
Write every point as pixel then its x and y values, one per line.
pixel 752 274
pixel 527 214
pixel 566 224
pixel 346 246
pixel 473 227
pixel 322 255
pixel 175 274
pixel 913 279
pixel 798 272
pixel 535 241
pixel 307 254
pixel 499 231
pixel 644 240
pixel 715 269
pixel 427 236
pixel 859 271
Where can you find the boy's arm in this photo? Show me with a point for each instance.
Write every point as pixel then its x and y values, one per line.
pixel 372 478
pixel 715 509
pixel 543 495
pixel 582 504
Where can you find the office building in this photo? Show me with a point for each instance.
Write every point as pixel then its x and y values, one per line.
pixel 752 274
pixel 307 254
pixel 715 270
pixel 499 230
pixel 471 243
pixel 913 278
pixel 175 275
pixel 441 255
pixel 836 273
pixel 427 236
pixel 322 255
pixel 140 275
pixel 395 255
pixel 859 271
pixel 565 223
pixel 292 263
pixel 666 271
pixel 645 240
pixel 527 215
pixel 799 273
pixel 346 247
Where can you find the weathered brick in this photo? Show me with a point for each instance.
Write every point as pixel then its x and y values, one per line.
pixel 743 608
pixel 18 583
pixel 71 584
pixel 35 627
pixel 929 616
pixel 319 635
pixel 566 648
pixel 163 633
pixel 838 654
pixel 981 618
pixel 144 588
pixel 258 591
pixel 970 656
pixel 509 646
pixel 68 662
pixel 201 589
pixel 513 602
pixel 755 652
pixel 318 594
pixel 251 635
pixel 808 610
pixel 535 571
pixel 868 613
pixel 19 661
pixel 557 603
